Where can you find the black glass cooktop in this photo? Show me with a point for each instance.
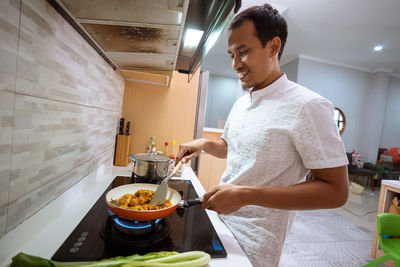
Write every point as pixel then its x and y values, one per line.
pixel 96 236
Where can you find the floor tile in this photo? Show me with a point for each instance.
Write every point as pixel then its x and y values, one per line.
pixel 334 237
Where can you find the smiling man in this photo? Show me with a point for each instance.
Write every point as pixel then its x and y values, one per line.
pixel 273 137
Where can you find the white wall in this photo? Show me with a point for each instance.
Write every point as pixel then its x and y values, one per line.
pixel 391 124
pixel 291 69
pixel 221 95
pixel 373 115
pixel 362 97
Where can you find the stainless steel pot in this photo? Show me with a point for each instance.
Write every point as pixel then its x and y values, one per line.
pixel 151 166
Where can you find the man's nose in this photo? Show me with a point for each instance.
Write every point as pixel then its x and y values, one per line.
pixel 237 63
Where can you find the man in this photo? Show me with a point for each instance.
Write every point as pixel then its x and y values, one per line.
pixel 273 137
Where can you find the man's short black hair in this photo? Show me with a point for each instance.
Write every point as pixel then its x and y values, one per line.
pixel 267 21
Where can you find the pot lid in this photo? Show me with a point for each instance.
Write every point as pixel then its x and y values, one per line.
pixel 154 157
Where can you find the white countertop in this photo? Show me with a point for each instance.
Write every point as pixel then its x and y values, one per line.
pixel 213 130
pixel 392 183
pixel 44 232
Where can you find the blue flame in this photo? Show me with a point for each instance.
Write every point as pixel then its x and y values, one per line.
pixel 135 222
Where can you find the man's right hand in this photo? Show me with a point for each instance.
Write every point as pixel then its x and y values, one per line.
pixel 190 150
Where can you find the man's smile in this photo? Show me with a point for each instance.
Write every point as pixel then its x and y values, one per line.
pixel 242 74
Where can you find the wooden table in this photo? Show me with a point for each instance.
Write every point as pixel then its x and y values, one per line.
pixel 388 189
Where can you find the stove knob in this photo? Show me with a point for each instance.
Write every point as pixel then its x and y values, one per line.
pixel 84 234
pixel 78 244
pixel 180 210
pixel 74 249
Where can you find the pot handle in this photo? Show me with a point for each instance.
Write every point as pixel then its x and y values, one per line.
pixel 132 158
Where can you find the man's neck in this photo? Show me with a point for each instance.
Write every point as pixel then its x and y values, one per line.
pixel 270 80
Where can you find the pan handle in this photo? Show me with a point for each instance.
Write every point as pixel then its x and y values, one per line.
pixel 191 202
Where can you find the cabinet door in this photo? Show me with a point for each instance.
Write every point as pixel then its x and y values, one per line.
pixel 210 167
pixel 210 170
pixel 218 167
pixel 204 169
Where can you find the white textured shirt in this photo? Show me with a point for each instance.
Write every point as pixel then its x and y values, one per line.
pixel 275 136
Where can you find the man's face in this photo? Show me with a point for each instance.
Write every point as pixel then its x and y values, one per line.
pixel 250 59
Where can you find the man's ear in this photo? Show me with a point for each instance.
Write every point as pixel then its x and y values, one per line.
pixel 275 46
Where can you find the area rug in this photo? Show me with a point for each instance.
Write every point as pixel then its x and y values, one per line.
pixel 325 238
pixel 362 205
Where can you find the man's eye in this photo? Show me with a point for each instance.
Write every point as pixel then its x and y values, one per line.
pixel 242 53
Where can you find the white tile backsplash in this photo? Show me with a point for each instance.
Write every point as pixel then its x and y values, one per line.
pixel 9 28
pixel 59 108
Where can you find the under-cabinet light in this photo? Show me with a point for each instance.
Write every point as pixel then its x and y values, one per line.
pixel 192 38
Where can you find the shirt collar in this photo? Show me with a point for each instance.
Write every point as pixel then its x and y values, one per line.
pixel 254 96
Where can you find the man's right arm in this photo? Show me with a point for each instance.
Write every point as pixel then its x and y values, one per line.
pixel 187 151
pixel 217 148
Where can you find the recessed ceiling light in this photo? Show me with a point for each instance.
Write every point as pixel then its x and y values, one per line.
pixel 378 48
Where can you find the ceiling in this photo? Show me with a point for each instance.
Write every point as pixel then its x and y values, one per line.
pixel 339 32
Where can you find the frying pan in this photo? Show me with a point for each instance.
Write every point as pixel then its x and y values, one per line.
pixel 144 215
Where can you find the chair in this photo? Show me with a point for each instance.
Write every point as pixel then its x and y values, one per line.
pixel 388 224
pixel 356 172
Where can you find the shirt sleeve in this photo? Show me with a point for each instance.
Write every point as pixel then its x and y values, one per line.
pixel 226 127
pixel 316 136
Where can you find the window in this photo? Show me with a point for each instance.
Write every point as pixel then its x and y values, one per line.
pixel 340 119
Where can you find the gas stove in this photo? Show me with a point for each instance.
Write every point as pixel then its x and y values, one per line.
pixel 101 234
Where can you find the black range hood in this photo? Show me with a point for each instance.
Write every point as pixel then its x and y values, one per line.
pixel 207 16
